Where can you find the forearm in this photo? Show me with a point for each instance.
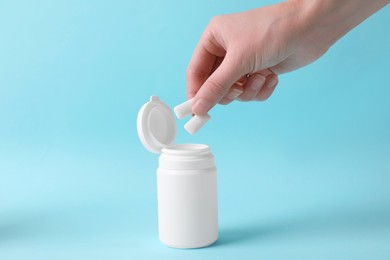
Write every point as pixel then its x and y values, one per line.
pixel 334 18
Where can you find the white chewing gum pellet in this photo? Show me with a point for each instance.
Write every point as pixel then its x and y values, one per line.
pixel 196 123
pixel 184 109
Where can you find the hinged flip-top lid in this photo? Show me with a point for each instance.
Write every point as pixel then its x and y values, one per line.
pixel 156 125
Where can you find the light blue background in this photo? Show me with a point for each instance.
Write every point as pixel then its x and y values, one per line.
pixel 304 175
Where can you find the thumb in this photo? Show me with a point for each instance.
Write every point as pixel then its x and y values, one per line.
pixel 217 85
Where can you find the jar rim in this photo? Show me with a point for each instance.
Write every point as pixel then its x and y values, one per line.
pixel 186 148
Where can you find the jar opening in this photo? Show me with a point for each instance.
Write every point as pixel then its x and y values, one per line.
pixel 186 149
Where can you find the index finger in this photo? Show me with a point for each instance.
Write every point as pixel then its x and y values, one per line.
pixel 199 69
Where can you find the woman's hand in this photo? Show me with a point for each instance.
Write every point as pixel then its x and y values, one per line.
pixel 240 55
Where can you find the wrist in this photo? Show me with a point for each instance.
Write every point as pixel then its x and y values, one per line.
pixel 329 20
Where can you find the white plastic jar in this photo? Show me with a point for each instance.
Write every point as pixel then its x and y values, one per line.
pixel 186 181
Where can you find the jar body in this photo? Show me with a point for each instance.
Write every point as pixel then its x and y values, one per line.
pixel 187 200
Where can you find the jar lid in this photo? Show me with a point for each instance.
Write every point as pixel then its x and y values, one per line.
pixel 156 125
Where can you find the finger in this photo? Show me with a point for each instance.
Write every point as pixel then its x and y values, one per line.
pixel 225 101
pixel 268 71
pixel 268 88
pixel 199 69
pixel 242 80
pixel 207 56
pixel 233 93
pixel 217 85
pixel 252 87
pixel 217 62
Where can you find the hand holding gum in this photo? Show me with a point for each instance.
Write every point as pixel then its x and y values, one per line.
pixel 196 122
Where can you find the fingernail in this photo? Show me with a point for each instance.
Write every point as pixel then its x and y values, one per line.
pixel 256 81
pixel 272 82
pixel 234 93
pixel 201 106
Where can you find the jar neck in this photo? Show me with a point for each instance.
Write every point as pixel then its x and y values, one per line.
pixel 186 157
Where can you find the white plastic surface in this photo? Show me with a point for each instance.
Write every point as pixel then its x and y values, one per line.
pixel 184 109
pixel 186 178
pixel 196 123
pixel 156 125
pixel 187 196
